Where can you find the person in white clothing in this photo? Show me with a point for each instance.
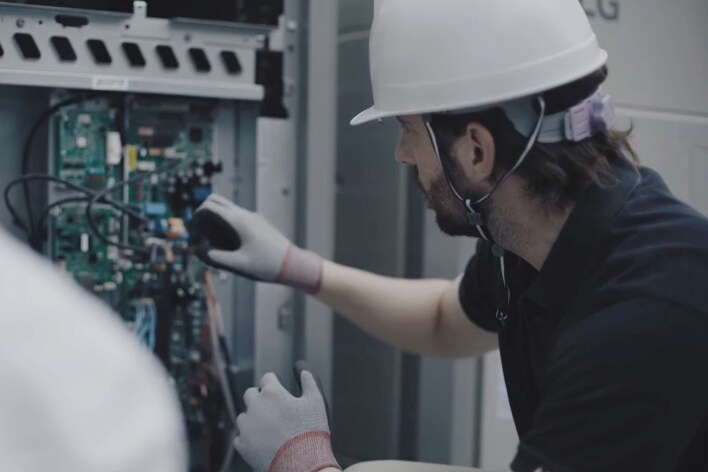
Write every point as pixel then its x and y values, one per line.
pixel 77 392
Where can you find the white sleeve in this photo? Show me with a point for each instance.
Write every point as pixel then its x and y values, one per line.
pixel 77 392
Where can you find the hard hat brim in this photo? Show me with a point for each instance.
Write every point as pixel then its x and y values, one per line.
pixel 368 115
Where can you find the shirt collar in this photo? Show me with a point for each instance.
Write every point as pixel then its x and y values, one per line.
pixel 557 283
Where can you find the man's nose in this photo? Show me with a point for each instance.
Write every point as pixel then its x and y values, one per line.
pixel 402 154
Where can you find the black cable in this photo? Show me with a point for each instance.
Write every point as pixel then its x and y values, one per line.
pixel 45 214
pixel 16 220
pixel 28 148
pixel 86 191
pixel 103 194
pixel 41 228
pixel 32 236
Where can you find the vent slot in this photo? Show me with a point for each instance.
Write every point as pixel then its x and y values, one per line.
pixel 99 51
pixel 27 45
pixel 71 21
pixel 134 54
pixel 231 62
pixel 167 57
pixel 63 48
pixel 200 60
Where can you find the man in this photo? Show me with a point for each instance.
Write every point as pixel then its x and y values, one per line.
pixel 78 393
pixel 589 275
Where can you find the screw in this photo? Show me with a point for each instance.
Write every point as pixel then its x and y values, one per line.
pixel 20 22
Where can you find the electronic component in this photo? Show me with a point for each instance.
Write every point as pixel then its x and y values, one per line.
pixel 88 143
pixel 114 148
pixel 164 170
pixel 83 255
pixel 176 228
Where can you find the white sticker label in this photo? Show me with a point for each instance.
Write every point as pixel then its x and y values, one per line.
pixel 114 148
pixel 84 242
pixel 107 82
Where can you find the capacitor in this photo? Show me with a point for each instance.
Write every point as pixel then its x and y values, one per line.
pixel 176 228
pixel 109 286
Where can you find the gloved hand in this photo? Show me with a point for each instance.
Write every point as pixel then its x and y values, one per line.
pixel 282 433
pixel 232 238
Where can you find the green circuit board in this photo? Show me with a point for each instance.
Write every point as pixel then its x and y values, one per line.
pixel 83 141
pixel 179 133
pixel 157 286
pixel 84 256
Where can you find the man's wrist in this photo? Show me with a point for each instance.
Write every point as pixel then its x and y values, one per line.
pixel 308 452
pixel 301 269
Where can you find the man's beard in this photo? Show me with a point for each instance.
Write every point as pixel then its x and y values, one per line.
pixel 450 213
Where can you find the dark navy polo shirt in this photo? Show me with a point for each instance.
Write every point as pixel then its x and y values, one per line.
pixel 605 350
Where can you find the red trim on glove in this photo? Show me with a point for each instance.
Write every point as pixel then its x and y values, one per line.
pixel 301 269
pixel 308 452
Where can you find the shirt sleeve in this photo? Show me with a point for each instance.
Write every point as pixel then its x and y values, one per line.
pixel 626 389
pixel 79 393
pixel 479 297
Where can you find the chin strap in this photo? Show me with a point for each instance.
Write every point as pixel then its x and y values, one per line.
pixel 475 217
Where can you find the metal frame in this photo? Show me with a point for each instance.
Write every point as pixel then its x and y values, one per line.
pixel 84 73
pixel 260 155
pixel 318 175
pixel 260 177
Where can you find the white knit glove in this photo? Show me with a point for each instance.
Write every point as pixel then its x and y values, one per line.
pixel 229 237
pixel 282 433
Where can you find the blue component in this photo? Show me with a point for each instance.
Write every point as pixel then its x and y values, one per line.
pixel 200 194
pixel 162 227
pixel 155 209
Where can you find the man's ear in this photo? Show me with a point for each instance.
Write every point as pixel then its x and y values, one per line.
pixel 476 154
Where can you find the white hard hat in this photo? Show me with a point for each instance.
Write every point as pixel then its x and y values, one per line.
pixel 431 56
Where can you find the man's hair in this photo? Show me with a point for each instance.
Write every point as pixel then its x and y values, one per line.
pixel 555 174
